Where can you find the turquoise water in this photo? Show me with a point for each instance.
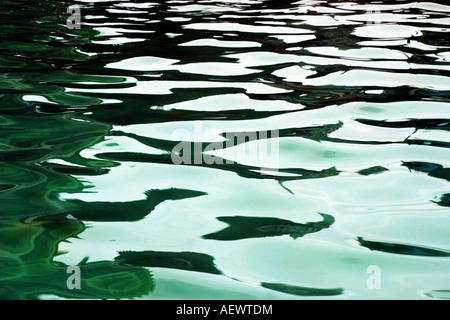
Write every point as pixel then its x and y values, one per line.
pixel 344 193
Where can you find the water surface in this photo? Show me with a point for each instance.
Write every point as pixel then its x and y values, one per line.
pixel 356 93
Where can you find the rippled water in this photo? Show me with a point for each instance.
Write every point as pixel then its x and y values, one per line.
pixel 355 94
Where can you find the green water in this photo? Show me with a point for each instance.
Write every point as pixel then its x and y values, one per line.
pixel 355 98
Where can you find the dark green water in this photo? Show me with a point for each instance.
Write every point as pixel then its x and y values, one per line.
pixel 356 96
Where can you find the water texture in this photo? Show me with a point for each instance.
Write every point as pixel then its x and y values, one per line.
pixel 351 96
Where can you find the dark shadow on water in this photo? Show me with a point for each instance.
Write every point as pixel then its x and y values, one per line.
pixel 438 294
pixel 258 227
pixel 405 249
pixel 189 261
pixel 372 170
pixel 444 200
pixel 126 211
pixel 432 169
pixel 302 291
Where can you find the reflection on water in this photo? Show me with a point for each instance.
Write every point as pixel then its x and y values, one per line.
pixel 29 269
pixel 357 92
